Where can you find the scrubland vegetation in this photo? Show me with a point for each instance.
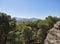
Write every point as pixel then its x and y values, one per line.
pixel 27 32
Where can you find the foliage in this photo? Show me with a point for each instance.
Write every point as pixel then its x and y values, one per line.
pixel 33 32
pixel 6 25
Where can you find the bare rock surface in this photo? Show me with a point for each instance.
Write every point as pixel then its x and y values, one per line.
pixel 53 36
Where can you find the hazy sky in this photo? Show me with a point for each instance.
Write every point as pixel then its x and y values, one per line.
pixel 30 8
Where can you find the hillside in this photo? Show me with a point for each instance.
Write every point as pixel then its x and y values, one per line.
pixel 19 20
pixel 32 32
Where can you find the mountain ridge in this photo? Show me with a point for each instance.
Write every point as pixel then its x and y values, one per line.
pixel 25 19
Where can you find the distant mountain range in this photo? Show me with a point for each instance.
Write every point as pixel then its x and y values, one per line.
pixel 25 19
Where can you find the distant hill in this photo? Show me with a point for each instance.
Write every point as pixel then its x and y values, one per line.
pixel 25 19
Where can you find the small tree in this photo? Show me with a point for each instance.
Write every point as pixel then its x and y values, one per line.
pixel 6 25
pixel 27 34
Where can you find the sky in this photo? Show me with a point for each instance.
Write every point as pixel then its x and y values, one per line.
pixel 30 8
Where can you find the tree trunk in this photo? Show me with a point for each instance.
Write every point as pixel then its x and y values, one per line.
pixel 4 42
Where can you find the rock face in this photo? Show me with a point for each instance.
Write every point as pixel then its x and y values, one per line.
pixel 53 36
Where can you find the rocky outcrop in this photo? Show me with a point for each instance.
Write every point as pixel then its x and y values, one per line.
pixel 53 36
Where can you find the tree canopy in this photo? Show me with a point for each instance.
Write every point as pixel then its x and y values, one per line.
pixel 27 32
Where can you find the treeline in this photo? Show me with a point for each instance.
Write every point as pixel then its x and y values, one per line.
pixel 33 32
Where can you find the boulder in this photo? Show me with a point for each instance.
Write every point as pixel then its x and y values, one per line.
pixel 53 36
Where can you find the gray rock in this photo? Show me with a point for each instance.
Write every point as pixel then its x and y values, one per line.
pixel 53 36
pixel 57 25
